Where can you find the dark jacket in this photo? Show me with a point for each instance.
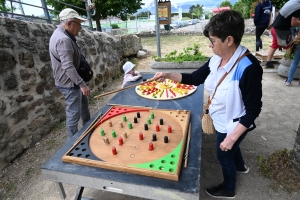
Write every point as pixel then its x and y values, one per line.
pixel 262 13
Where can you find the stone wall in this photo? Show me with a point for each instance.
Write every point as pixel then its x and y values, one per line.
pixel 296 151
pixel 30 105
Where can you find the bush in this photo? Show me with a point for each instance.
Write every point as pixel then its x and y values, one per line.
pixel 115 26
pixel 188 54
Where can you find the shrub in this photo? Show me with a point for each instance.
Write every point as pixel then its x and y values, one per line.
pixel 115 26
pixel 188 54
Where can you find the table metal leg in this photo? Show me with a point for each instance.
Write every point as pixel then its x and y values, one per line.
pixel 79 193
pixel 61 190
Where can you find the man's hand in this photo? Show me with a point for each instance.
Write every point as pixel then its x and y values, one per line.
pixel 85 91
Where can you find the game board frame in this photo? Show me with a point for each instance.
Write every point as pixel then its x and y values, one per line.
pixel 96 162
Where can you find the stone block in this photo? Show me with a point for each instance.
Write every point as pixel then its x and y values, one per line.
pixel 186 67
pixel 284 67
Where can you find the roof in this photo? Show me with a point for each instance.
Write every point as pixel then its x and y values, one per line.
pixel 216 10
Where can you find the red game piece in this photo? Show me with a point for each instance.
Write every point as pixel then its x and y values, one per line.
pixel 151 146
pixel 120 141
pixel 157 128
pixel 169 129
pixel 141 136
pixel 114 151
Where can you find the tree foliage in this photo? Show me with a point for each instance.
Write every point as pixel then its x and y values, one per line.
pixel 225 4
pixel 252 9
pixel 5 7
pixel 244 6
pixel 104 8
pixel 144 14
pixel 278 4
pixel 196 10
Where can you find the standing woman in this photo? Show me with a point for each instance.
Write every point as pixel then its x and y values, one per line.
pixel 237 101
pixel 261 20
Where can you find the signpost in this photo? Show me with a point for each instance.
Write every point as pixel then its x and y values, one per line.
pixel 164 12
pixel 163 16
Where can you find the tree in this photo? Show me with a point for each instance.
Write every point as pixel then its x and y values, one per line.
pixel 144 14
pixel 244 7
pixel 104 8
pixel 252 9
pixel 196 10
pixel 5 8
pixel 278 4
pixel 225 4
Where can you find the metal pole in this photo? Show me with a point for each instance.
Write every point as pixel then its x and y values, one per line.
pixel 136 23
pixel 46 12
pixel 21 7
pixel 157 29
pixel 148 9
pixel 89 15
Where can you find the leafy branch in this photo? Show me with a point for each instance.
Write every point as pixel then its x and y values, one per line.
pixel 189 54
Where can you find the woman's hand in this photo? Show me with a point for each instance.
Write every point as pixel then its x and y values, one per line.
pixel 227 144
pixel 229 141
pixel 159 76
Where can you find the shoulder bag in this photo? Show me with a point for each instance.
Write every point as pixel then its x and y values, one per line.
pixel 284 37
pixel 207 123
pixel 84 70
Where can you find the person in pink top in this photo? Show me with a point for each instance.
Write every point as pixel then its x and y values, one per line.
pixel 130 73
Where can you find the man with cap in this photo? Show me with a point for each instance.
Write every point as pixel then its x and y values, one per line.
pixel 65 57
pixel 130 73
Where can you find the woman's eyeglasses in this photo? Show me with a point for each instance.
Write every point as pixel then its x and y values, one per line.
pixel 211 41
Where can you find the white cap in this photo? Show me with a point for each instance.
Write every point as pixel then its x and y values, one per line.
pixel 128 66
pixel 69 13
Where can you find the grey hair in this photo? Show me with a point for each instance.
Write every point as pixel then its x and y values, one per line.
pixel 64 22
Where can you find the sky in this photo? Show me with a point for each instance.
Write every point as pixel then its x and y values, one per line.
pixel 29 10
pixel 176 3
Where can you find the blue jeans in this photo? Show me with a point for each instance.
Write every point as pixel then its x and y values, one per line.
pixel 77 105
pixel 230 160
pixel 294 64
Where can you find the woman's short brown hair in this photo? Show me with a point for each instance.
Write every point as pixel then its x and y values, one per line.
pixel 224 24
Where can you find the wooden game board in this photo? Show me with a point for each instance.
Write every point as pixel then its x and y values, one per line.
pixel 166 90
pixel 161 160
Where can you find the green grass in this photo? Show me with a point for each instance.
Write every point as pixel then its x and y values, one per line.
pixel 28 171
pixel 50 144
pixel 280 168
pixel 60 126
pixel 174 42
pixel 9 190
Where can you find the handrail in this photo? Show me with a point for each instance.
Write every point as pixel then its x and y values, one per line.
pixel 46 11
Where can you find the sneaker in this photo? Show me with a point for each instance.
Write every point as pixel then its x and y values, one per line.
pixel 287 83
pixel 219 192
pixel 243 170
pixel 269 64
